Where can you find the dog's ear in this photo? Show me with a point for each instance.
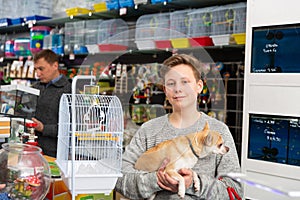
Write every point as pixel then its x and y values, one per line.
pixel 206 136
pixel 206 127
pixel 208 141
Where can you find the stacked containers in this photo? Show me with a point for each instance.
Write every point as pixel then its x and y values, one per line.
pixel 126 3
pixel 9 48
pixel 160 1
pixel 239 29
pixel 200 25
pixel 113 35
pixel 91 35
pixel 153 30
pixel 162 31
pixel 144 32
pixel 22 47
pixel 224 20
pixel 74 37
pixel 47 41
pixel 179 24
pixel 100 6
pixel 55 41
pixel 69 39
pixel 79 46
pixel 112 4
pixel 137 2
pixel 37 34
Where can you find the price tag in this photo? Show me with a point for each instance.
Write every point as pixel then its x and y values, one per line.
pixel 123 11
pixel 72 56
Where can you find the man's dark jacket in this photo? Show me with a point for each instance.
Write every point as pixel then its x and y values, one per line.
pixel 47 112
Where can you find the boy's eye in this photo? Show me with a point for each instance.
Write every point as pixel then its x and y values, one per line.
pixel 170 84
pixel 185 81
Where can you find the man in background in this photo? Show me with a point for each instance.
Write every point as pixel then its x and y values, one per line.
pixel 52 85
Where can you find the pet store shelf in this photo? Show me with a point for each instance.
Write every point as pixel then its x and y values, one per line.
pixel 130 14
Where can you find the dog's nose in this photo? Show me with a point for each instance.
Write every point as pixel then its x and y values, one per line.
pixel 227 149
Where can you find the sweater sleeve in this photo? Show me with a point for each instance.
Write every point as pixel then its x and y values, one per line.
pixel 135 184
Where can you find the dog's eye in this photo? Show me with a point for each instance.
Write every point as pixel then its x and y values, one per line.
pixel 220 145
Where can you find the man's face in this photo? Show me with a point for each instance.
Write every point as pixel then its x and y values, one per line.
pixel 45 71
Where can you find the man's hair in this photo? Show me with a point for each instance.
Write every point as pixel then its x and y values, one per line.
pixel 47 54
pixel 178 59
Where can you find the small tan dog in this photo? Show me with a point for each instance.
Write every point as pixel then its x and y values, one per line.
pixel 183 152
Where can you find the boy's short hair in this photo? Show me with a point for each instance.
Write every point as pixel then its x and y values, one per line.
pixel 178 59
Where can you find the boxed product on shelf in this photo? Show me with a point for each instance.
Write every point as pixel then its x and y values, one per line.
pixel 15 21
pixel 160 1
pixel 113 35
pixel 179 22
pixel 9 48
pixel 55 41
pixel 137 2
pixel 22 47
pixel 18 100
pixel 5 22
pixel 239 38
pixel 200 24
pixel 35 18
pixel 77 11
pixel 100 6
pixel 126 3
pixel 37 34
pixel 4 127
pixel 95 196
pixel 112 4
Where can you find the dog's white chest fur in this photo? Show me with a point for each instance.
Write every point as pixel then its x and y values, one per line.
pixel 185 163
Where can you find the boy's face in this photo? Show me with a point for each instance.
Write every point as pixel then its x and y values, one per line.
pixel 181 87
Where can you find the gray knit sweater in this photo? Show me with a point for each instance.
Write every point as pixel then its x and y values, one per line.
pixel 139 185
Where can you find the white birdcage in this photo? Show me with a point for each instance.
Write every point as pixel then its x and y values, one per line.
pixel 90 136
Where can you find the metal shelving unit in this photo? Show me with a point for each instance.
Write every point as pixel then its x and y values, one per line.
pixel 228 54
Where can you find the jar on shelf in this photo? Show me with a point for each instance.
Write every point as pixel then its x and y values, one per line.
pixel 24 172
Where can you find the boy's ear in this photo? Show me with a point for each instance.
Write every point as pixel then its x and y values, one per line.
pixel 200 86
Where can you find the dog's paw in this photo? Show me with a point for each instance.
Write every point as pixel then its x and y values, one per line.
pixel 196 182
pixel 197 187
pixel 181 195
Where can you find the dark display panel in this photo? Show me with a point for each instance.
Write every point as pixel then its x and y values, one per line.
pixel 276 49
pixel 274 139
